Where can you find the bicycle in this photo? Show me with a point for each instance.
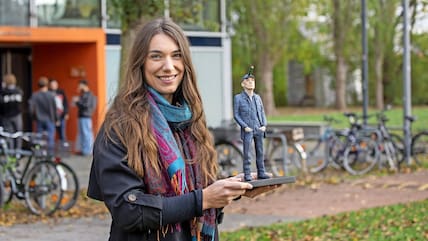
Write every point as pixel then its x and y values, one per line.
pixel 1 190
pixel 361 150
pixel 418 146
pixel 38 183
pixel 69 180
pixel 69 184
pixel 324 150
pixel 284 153
pixel 389 143
pixel 352 149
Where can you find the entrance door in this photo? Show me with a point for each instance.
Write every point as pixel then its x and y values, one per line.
pixel 18 62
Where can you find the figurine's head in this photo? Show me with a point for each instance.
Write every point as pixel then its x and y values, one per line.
pixel 249 74
pixel 248 82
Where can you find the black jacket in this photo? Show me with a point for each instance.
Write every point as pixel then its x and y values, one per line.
pixel 10 102
pixel 136 215
pixel 86 104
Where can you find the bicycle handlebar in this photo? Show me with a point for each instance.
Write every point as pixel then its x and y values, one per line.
pixel 27 136
pixel 331 119
pixel 410 118
pixel 10 135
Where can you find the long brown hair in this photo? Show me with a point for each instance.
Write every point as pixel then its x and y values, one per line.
pixel 129 116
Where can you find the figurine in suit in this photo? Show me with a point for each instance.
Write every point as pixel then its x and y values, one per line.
pixel 248 111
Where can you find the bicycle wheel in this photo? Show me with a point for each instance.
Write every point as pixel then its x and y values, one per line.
pixel 361 156
pixel 1 191
pixel 316 154
pixel 69 186
pixel 42 186
pixel 390 154
pixel 230 159
pixel 8 183
pixel 399 146
pixel 290 166
pixel 420 148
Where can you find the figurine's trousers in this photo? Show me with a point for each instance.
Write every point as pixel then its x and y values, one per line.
pixel 248 139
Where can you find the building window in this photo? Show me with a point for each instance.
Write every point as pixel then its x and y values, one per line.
pixel 76 13
pixel 14 13
pixel 191 15
pixel 196 15
pixel 113 20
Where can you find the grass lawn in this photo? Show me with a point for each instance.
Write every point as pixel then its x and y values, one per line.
pixel 305 114
pixel 398 222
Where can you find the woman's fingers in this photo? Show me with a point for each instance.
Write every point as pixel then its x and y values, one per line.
pixel 222 192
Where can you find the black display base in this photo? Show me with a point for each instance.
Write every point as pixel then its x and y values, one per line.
pixel 272 181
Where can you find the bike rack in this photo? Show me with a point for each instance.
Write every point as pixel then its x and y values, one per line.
pixel 283 139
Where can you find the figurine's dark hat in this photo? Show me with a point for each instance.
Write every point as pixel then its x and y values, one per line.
pixel 249 74
pixel 246 76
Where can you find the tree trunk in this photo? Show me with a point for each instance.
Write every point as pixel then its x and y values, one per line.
pixel 339 43
pixel 379 80
pixel 126 41
pixel 266 83
pixel 341 69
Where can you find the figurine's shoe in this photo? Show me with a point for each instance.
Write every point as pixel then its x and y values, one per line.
pixel 247 177
pixel 262 175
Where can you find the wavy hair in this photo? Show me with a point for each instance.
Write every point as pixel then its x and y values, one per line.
pixel 129 116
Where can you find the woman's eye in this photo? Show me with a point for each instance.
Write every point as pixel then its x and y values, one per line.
pixel 155 56
pixel 177 55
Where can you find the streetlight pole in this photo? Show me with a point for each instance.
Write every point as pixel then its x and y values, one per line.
pixel 364 59
pixel 407 101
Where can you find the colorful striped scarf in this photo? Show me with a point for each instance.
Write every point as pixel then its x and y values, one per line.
pixel 182 177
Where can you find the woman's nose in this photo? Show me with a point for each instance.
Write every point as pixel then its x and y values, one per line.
pixel 168 64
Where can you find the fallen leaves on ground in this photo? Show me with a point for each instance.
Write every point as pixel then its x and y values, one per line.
pixel 16 212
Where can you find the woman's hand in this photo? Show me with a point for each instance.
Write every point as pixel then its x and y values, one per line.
pixel 222 192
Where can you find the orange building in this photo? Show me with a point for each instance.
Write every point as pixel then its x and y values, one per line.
pixel 65 54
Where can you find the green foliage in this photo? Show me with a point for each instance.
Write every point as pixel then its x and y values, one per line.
pixel 190 14
pixel 396 222
pixel 270 27
pixel 419 71
pixel 131 11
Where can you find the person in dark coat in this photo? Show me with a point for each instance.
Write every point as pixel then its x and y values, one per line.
pixel 154 164
pixel 249 113
pixel 43 111
pixel 86 103
pixel 11 97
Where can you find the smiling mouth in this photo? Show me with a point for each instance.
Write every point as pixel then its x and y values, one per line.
pixel 167 78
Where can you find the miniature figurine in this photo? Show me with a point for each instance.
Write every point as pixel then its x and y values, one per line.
pixel 248 111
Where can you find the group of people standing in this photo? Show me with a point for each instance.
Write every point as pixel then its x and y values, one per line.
pixel 49 109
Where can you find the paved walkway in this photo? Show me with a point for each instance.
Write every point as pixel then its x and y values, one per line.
pixel 241 213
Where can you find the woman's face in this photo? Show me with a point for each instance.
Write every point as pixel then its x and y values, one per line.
pixel 164 67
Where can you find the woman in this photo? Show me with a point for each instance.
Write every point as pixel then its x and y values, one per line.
pixel 154 164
